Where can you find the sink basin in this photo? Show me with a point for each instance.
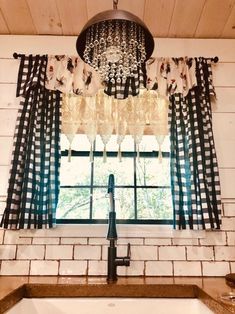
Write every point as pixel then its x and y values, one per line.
pixel 109 306
pixel 35 298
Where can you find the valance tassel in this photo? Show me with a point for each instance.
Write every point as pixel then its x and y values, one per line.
pixel 104 154
pixel 138 152
pixel 69 153
pixel 91 154
pixel 119 153
pixel 160 155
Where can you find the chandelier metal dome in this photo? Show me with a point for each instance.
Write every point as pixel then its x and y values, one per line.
pixel 115 43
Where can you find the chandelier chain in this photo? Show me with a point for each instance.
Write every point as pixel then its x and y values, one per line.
pixel 115 4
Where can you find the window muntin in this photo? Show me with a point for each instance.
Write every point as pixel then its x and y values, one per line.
pixel 142 188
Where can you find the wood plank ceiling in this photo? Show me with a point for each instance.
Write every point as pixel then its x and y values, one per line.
pixel 164 18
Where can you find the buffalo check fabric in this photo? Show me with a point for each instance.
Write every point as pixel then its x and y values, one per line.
pixel 194 171
pixel 131 87
pixel 34 177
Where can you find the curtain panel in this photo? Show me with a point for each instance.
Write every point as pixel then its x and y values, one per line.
pixel 184 83
pixel 194 171
pixel 34 177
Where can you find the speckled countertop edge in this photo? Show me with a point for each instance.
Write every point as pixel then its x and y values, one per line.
pixel 207 290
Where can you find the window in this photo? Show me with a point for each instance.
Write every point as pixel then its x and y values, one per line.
pixel 142 187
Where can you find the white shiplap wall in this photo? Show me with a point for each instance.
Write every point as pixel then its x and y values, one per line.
pixel 69 251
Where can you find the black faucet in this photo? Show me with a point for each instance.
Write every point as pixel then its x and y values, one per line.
pixel 113 260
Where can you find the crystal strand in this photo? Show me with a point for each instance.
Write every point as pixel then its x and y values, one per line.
pixel 86 53
pixel 143 51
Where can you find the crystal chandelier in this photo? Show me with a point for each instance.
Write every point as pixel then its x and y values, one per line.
pixel 115 43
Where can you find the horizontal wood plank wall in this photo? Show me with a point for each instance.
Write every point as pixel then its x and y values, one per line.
pixel 217 247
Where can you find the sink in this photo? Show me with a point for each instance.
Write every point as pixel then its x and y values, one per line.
pixel 35 298
pixel 109 306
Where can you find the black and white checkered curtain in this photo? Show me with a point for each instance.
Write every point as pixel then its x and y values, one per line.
pixel 194 170
pixel 34 177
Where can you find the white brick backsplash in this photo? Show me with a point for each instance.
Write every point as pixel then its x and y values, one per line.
pixel 187 268
pixel 215 268
pixel 132 241
pixel 15 268
pixel 172 253
pixel 232 267
pixel 135 269
pixel 199 253
pixel 229 210
pixel 228 223
pixel 30 252
pixel 138 253
pixel 68 268
pixel 1 236
pixel 11 237
pixel 143 253
pixel 231 238
pixel 46 240
pixel 97 268
pixel 157 241
pixel 4 170
pixel 46 268
pixel 25 241
pixel 104 252
pixel 182 241
pixel 214 238
pixel 225 253
pixel 59 252
pixel 159 268
pixel 97 241
pixel 2 207
pixel 7 252
pixel 89 252
pixel 74 240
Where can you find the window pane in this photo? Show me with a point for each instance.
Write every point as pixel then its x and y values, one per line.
pixel 73 203
pixel 150 172
pixel 76 172
pixel 123 171
pixel 154 203
pixel 124 203
pixel 100 204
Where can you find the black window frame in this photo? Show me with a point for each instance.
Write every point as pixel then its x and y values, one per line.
pixel 114 154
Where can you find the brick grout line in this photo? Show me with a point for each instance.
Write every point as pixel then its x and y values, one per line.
pixel 29 272
pixel 73 252
pixel 201 268
pixel 16 252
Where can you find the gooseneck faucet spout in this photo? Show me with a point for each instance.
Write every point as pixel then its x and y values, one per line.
pixel 112 231
pixel 113 260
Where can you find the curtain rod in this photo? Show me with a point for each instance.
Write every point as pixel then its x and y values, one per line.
pixel 19 55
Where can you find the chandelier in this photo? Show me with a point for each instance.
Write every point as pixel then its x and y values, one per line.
pixel 115 43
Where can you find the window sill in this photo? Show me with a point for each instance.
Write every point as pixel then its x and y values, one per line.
pixel 131 231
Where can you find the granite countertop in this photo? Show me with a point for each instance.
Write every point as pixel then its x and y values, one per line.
pixel 12 289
